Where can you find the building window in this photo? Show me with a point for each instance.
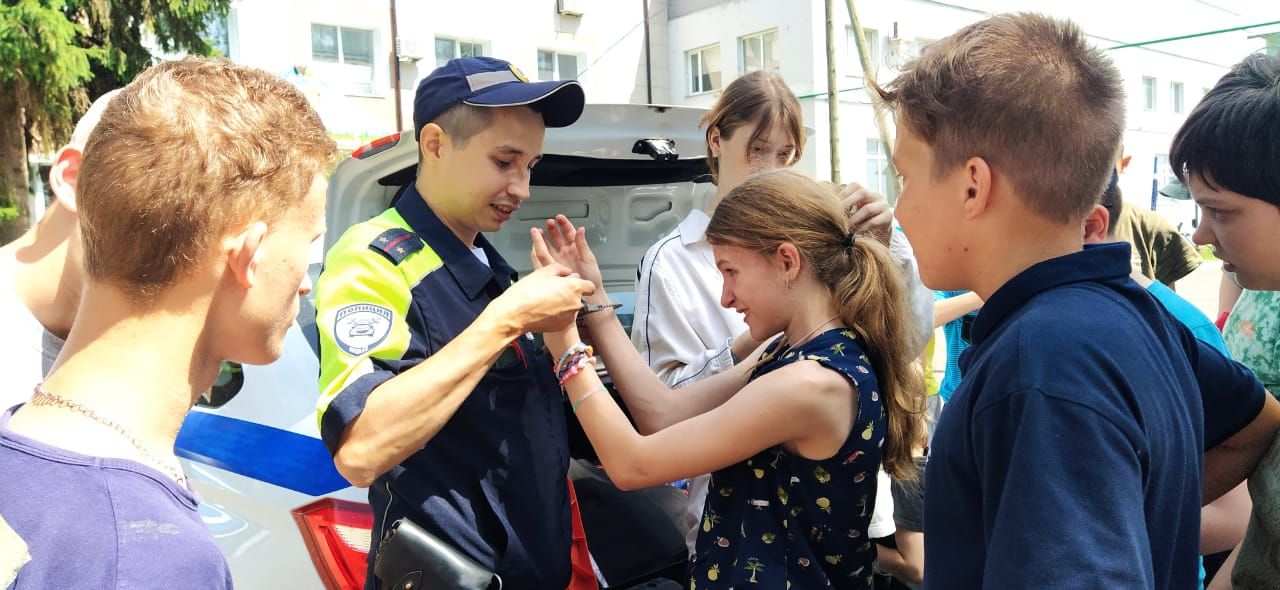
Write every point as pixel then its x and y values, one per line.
pixel 1149 93
pixel 704 69
pixel 447 49
pixel 557 66
pixel 851 51
pixel 345 55
pixel 758 52
pixel 1175 94
pixel 1163 171
pixel 878 170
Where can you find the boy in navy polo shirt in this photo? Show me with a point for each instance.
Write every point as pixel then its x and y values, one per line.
pixel 1071 455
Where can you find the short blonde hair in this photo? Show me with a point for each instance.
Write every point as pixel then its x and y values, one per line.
pixel 186 152
pixel 1028 94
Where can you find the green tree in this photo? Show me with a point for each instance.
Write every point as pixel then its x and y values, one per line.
pixel 58 55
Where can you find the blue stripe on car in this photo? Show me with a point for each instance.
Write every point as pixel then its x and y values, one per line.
pixel 287 459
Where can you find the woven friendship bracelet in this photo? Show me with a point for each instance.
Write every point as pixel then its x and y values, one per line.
pixel 578 348
pixel 576 365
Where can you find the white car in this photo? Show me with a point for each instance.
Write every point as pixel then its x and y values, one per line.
pixel 270 493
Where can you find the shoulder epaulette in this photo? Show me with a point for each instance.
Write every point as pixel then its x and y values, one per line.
pixel 396 244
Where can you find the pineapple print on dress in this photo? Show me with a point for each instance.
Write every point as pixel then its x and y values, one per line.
pixel 798 523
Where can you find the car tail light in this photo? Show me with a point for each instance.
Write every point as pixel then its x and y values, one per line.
pixel 375 146
pixel 337 534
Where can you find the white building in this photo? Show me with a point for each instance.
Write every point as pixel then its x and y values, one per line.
pixel 342 51
pixel 714 41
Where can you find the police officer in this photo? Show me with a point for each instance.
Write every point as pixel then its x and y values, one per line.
pixel 433 393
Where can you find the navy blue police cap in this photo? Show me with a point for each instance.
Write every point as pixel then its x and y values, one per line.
pixel 492 82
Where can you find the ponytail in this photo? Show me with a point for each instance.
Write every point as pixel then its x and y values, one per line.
pixel 872 298
pixel 865 281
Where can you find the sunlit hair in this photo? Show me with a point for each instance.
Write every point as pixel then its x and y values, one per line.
pixel 1026 93
pixel 867 285
pixel 760 99
pixel 190 150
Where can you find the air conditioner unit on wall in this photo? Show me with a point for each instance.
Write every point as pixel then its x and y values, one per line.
pixel 408 49
pixel 570 7
pixel 901 51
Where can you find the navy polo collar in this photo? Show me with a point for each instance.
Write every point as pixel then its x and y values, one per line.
pixel 471 275
pixel 1097 262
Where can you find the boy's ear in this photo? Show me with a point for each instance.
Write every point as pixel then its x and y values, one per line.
pixel 978 186
pixel 243 250
pixel 63 175
pixel 1096 224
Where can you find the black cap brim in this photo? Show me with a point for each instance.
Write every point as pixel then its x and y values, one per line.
pixel 559 101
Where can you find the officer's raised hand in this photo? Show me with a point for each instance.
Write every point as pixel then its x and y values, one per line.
pixel 545 300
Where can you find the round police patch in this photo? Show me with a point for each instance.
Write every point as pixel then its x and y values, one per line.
pixel 360 327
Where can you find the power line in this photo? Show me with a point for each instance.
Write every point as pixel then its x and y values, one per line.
pixel 1193 35
pixel 615 43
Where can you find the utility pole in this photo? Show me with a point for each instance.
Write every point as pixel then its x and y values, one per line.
pixel 882 123
pixel 833 98
pixel 648 65
pixel 395 67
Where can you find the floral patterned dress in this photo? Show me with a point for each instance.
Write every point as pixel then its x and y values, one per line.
pixel 778 520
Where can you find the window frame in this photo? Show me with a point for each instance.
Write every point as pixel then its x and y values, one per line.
pixel 742 51
pixel 556 54
pixel 688 70
pixel 878 179
pixel 456 43
pixel 851 51
pixel 1150 93
pixel 1177 96
pixel 341 64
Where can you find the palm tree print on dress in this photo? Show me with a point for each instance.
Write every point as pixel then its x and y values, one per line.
pixel 799 523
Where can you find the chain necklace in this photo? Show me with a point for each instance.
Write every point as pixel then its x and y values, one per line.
pixel 811 333
pixel 44 398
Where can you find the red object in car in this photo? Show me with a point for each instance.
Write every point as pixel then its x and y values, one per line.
pixel 375 146
pixel 337 534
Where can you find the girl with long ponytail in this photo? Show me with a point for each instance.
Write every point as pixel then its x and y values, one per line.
pixel 793 435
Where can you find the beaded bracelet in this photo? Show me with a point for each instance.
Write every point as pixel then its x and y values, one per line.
pixel 584 398
pixel 576 367
pixel 579 348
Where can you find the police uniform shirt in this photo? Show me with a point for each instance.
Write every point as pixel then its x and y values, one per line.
pixel 394 291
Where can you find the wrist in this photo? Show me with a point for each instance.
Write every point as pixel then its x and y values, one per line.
pixel 500 322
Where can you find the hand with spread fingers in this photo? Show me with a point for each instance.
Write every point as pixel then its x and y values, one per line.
pixel 568 246
pixel 542 256
pixel 867 211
